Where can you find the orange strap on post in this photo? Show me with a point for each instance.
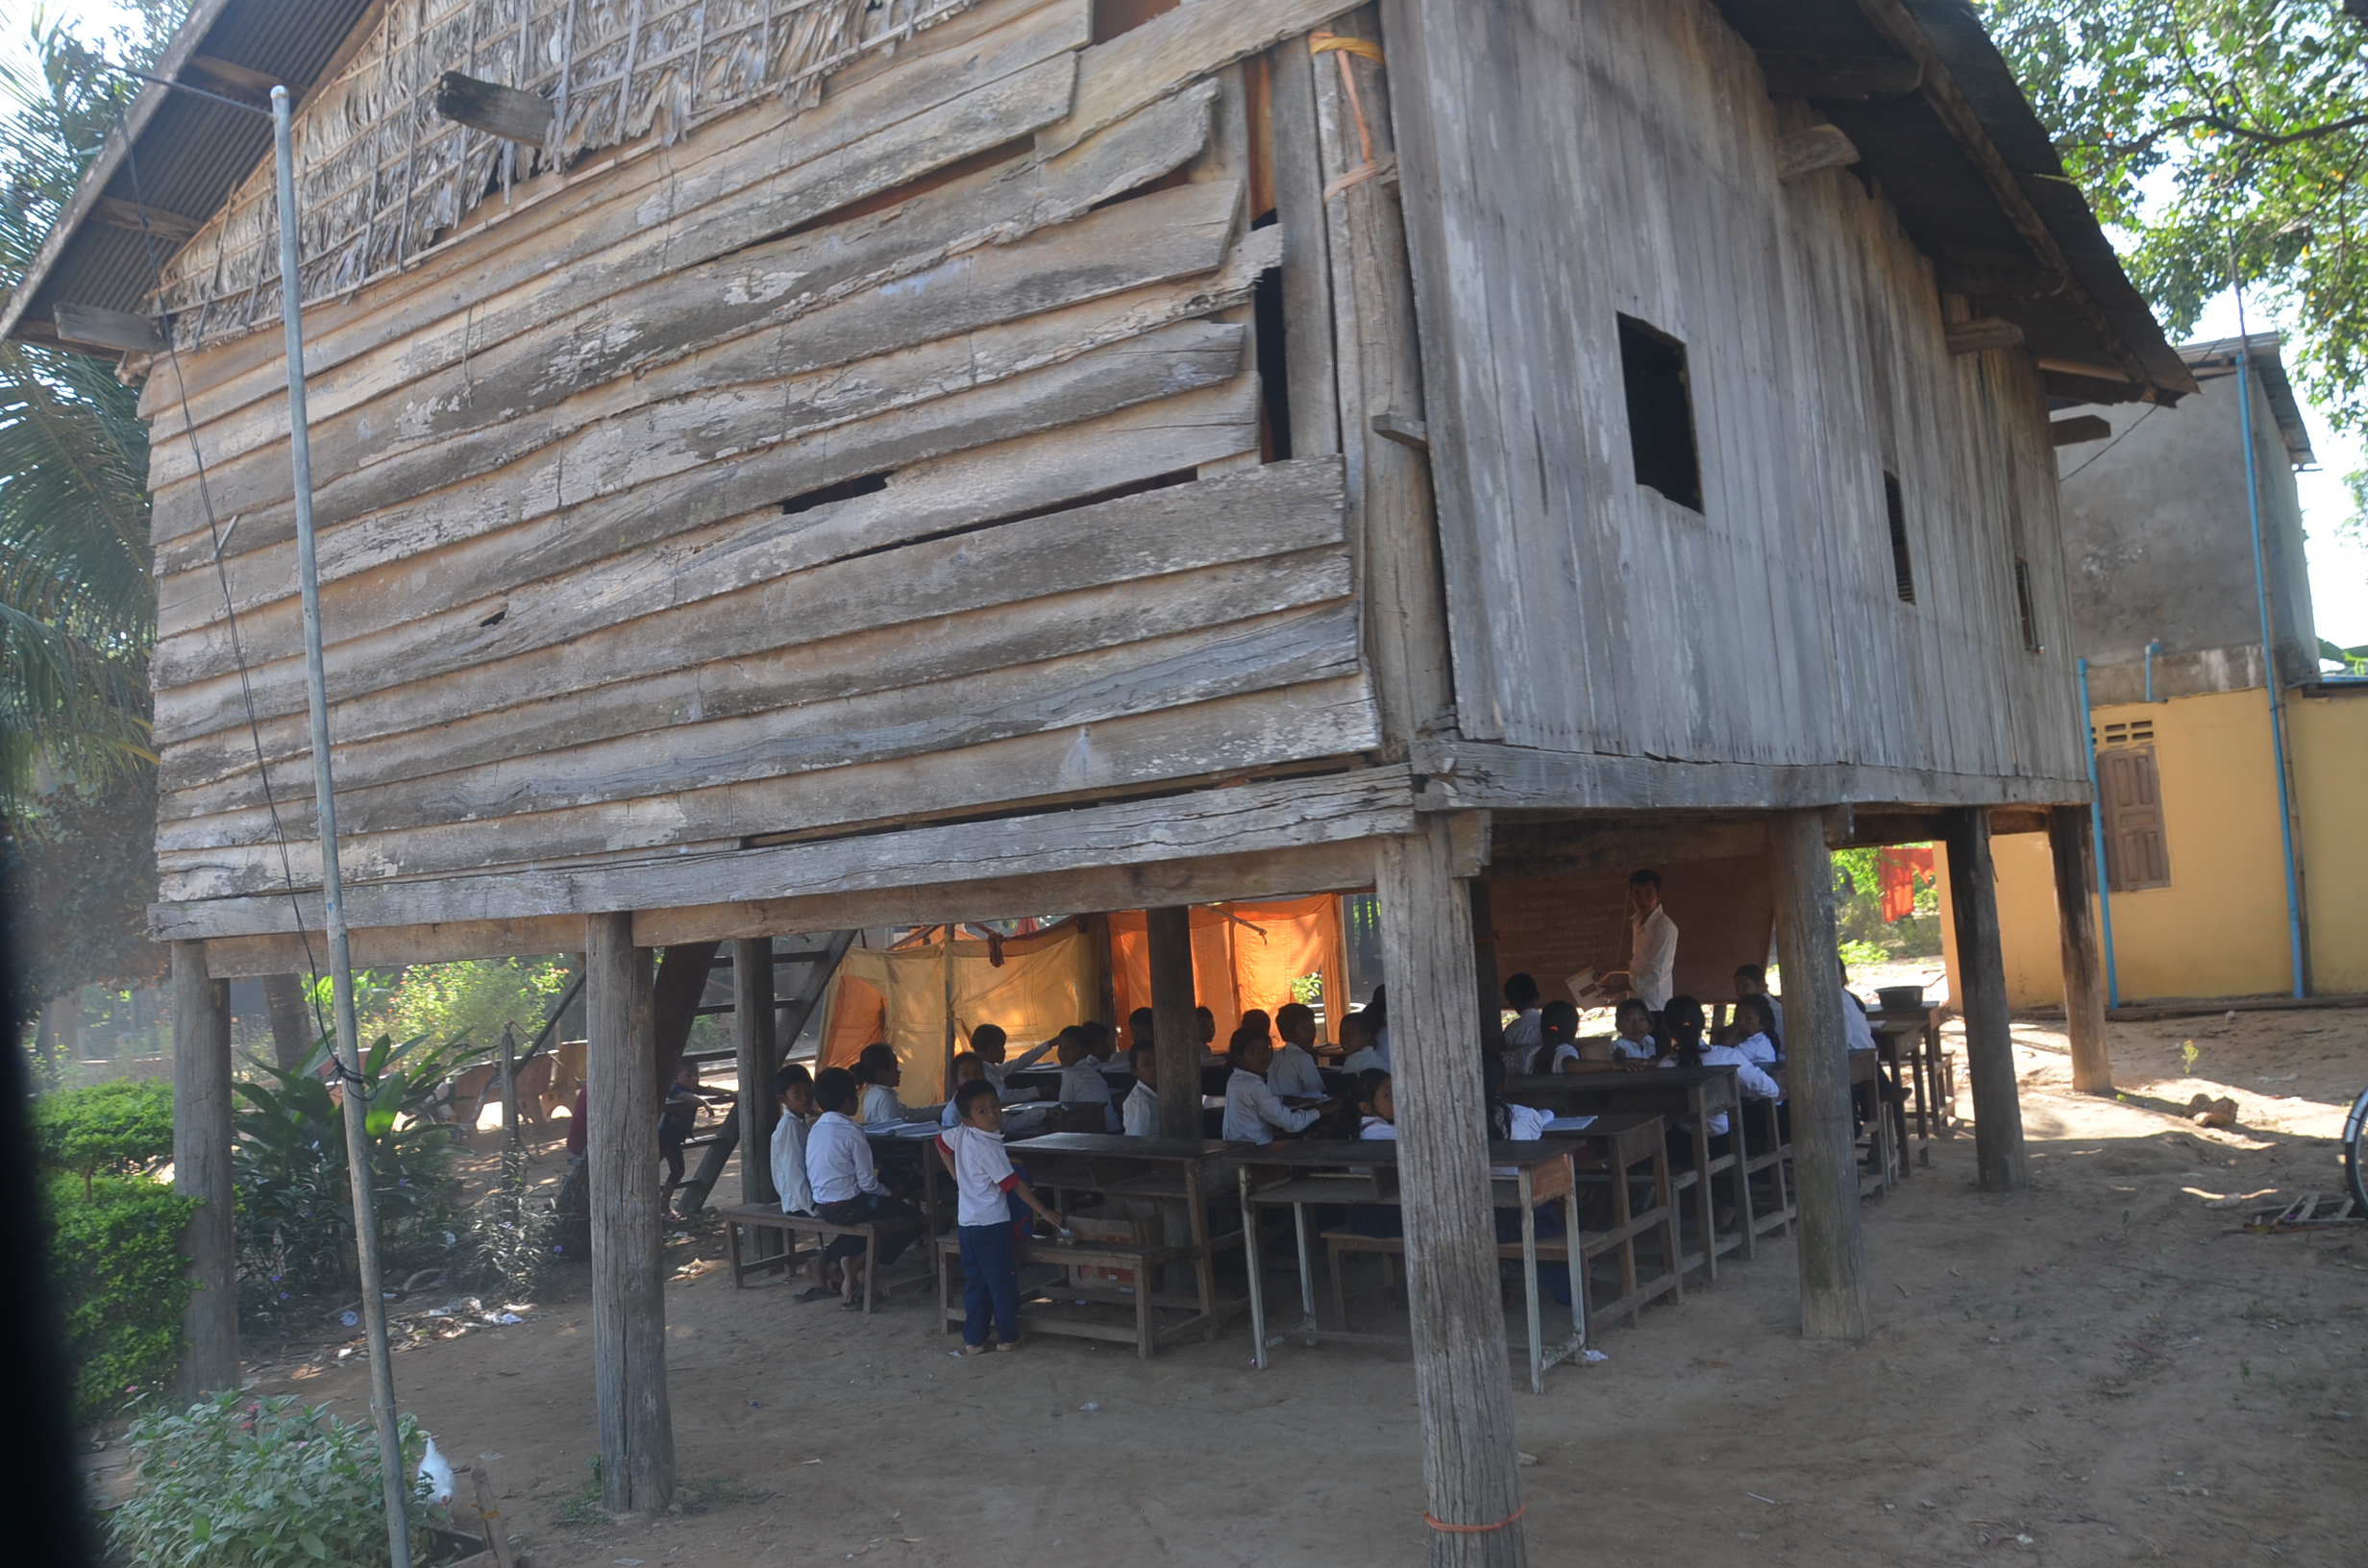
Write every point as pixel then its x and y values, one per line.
pixel 1475 1529
pixel 1318 43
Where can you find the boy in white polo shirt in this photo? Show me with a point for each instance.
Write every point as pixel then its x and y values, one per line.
pixel 984 1184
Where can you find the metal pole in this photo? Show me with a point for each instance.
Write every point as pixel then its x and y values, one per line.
pixel 358 1164
pixel 2269 650
pixel 509 1095
pixel 2096 832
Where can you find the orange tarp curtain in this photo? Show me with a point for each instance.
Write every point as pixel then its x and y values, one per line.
pixel 1899 868
pixel 1045 983
pixel 1243 956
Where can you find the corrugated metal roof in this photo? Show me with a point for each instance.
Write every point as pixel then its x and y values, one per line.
pixel 183 155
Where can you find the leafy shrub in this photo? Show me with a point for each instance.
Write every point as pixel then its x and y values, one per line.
pixel 120 1282
pixel 239 1483
pixel 446 1003
pixel 121 1127
pixel 511 1240
pixel 295 1225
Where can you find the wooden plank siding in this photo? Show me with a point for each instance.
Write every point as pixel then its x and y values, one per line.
pixel 679 511
pixel 1592 619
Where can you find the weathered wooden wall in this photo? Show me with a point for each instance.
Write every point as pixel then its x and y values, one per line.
pixel 1568 163
pixel 584 601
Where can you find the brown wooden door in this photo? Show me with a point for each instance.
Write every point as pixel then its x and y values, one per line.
pixel 2136 854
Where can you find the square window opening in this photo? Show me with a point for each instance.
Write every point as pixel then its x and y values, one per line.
pixel 1896 512
pixel 1661 433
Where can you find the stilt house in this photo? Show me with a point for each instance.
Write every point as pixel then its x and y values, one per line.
pixel 791 465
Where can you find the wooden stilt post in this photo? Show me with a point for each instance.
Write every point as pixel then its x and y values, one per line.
pixel 1468 1459
pixel 1176 1036
pixel 1834 1303
pixel 759 1057
pixel 1982 970
pixel 2069 840
pixel 628 1301
pixel 202 1169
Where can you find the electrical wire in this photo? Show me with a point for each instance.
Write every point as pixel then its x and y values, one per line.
pixel 217 536
pixel 2151 409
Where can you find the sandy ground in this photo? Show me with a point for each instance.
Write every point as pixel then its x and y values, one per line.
pixel 2105 1368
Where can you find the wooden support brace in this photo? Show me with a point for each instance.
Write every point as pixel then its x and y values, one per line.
pixel 1982 334
pixel 1833 1300
pixel 104 329
pixel 2079 427
pixel 202 1169
pixel 1980 968
pixel 758 1057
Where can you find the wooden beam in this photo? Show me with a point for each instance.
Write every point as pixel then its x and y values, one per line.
pixel 2018 819
pixel 243 83
pixel 1982 334
pixel 2012 279
pixel 511 113
pixel 1805 153
pixel 1989 1040
pixel 1314 398
pixel 1469 1470
pixel 2078 430
pixel 629 1298
pixel 681 987
pixel 757 1057
pixel 1175 1037
pixel 2069 842
pixel 233 958
pixel 1901 30
pixel 1839 76
pixel 170 230
pixel 1144 65
pixel 201 1097
pixel 97 327
pixel 1834 1298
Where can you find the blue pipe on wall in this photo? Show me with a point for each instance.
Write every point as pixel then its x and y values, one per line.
pixel 2096 830
pixel 2269 654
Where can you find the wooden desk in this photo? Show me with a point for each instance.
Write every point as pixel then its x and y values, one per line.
pixel 1694 1094
pixel 893 1151
pixel 1541 1171
pixel 1166 1170
pixel 1909 1038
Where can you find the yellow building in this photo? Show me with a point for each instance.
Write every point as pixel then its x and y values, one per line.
pixel 2167 617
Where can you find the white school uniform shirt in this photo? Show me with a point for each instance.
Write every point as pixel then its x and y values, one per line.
pixel 789 1165
pixel 880 1106
pixel 1254 1115
pixel 1564 1051
pixel 1854 1025
pixel 1294 1071
pixel 1140 1112
pixel 1029 1056
pixel 1652 957
pixel 1521 1034
pixel 1776 1006
pixel 1084 1085
pixel 838 1162
pixel 982 1174
pixel 1757 1046
pixel 1527 1126
pixel 1749 1080
pixel 1375 1127
pixel 1371 1056
pixel 1635 1050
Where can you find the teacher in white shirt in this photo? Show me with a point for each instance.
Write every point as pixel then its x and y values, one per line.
pixel 1652 946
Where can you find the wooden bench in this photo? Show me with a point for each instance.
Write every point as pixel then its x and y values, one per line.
pixel 1139 1258
pixel 765 1217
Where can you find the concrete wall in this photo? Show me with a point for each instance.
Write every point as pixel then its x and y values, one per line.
pixel 2159 546
pixel 2220 928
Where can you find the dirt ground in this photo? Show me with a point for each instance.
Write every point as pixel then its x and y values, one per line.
pixel 2105 1368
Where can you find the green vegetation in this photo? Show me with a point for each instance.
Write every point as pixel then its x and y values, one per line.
pixel 235 1483
pixel 1866 937
pixel 120 1128
pixel 445 1004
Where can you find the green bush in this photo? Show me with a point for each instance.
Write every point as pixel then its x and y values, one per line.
pixel 120 1283
pixel 120 1127
pixel 239 1483
pixel 295 1224
pixel 510 1243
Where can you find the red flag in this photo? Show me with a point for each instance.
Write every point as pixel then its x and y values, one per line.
pixel 1899 868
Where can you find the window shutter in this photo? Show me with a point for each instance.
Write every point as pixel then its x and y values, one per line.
pixel 2136 854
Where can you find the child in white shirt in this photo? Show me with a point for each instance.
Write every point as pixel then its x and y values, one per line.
pixel 1634 1042
pixel 1755 1029
pixel 967 1069
pixel 1081 1081
pixel 1378 1104
pixel 1140 1113
pixel 1252 1112
pixel 793 1090
pixel 984 1184
pixel 880 1073
pixel 1557 1039
pixel 1357 1040
pixel 847 1190
pixel 1521 1035
pixel 1293 1075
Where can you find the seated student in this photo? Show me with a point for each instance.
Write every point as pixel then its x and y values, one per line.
pixel 1294 1075
pixel 1100 1044
pixel 1751 980
pixel 1520 1123
pixel 1683 1018
pixel 1379 1010
pixel 1252 1112
pixel 880 1073
pixel 1755 1030
pixel 1204 1024
pixel 1521 1034
pixel 1377 1106
pixel 793 1090
pixel 984 1184
pixel 990 1044
pixel 1357 1041
pixel 847 1190
pixel 1557 1039
pixel 1081 1081
pixel 1860 1033
pixel 1139 1025
pixel 1634 1042
pixel 1140 1113
pixel 968 1068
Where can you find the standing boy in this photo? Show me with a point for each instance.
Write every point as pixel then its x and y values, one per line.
pixel 984 1184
